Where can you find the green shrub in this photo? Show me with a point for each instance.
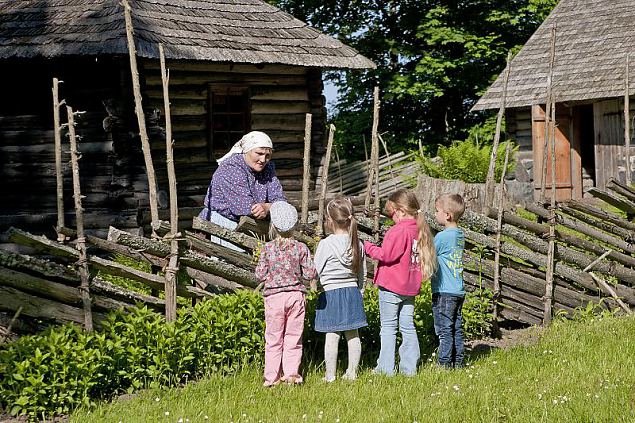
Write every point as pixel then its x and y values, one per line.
pixel 467 161
pixel 64 367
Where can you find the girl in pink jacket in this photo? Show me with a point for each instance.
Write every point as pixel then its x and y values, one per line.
pixel 406 257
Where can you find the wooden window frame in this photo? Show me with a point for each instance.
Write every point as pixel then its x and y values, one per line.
pixel 227 90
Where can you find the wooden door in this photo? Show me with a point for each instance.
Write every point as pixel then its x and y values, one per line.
pixel 608 120
pixel 565 161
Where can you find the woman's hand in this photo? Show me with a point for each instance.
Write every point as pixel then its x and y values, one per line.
pixel 260 210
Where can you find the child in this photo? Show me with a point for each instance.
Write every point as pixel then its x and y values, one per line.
pixel 282 266
pixel 447 281
pixel 341 267
pixel 405 258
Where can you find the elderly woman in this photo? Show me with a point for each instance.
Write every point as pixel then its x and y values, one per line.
pixel 245 183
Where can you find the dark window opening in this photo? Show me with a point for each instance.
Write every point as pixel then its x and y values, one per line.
pixel 229 118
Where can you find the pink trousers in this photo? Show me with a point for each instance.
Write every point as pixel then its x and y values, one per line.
pixel 284 320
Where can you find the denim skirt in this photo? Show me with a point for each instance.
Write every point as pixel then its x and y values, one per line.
pixel 339 310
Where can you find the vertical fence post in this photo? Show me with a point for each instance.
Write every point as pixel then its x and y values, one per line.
pixel 84 289
pixel 143 133
pixel 173 263
pixel 325 180
pixel 59 172
pixel 306 176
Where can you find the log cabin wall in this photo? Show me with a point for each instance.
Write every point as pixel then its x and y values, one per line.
pixel 277 98
pixel 518 127
pixel 111 168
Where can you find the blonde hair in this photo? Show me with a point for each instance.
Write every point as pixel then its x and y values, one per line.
pixel 340 216
pixel 407 201
pixel 282 239
pixel 452 204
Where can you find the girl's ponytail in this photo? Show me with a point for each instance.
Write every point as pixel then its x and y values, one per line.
pixel 427 252
pixel 340 212
pixel 353 235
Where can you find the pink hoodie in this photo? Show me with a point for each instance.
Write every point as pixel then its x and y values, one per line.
pixel 398 270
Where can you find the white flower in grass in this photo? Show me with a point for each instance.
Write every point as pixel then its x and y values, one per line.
pixel 555 401
pixel 494 362
pixel 157 399
pixel 304 417
pixel 244 415
pixel 337 420
pixel 456 387
pixel 180 420
pixel 206 417
pixel 167 413
pixel 539 396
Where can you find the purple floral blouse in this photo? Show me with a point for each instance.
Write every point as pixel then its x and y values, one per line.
pixel 235 187
pixel 283 266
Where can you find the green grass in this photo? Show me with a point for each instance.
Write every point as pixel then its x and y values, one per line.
pixel 575 372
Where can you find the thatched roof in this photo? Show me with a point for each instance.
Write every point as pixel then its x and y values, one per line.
pixel 592 39
pixel 242 31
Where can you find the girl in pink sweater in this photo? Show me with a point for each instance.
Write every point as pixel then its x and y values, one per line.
pixel 406 257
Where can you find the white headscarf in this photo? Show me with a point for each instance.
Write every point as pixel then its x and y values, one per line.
pixel 249 141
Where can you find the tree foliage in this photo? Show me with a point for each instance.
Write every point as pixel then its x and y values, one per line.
pixel 434 58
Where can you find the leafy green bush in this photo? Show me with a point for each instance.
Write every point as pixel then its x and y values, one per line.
pixel 466 160
pixel 64 367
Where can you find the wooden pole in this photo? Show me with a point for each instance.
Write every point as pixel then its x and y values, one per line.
pixel 549 100
pixel 173 264
pixel 339 167
pixel 373 151
pixel 549 273
pixel 375 164
pixel 491 180
pixel 59 172
pixel 307 169
pixel 145 143
pixel 499 225
pixel 81 241
pixel 392 174
pixel 325 180
pixel 627 123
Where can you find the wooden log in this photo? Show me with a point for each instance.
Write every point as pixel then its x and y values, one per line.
pixel 48 270
pixel 242 260
pixel 529 256
pixel 242 240
pixel 541 229
pixel 204 280
pixel 586 230
pixel 106 289
pixel 114 248
pixel 69 254
pixel 539 245
pixel 145 144
pixel 188 258
pixel 600 224
pixel 611 292
pixel 42 308
pixel 623 204
pixel 254 227
pixel 551 241
pixel 624 190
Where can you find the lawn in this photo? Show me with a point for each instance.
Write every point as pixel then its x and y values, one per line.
pixel 573 372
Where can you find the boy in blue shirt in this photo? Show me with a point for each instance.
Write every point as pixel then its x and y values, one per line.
pixel 447 282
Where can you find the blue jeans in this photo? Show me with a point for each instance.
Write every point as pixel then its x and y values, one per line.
pixel 397 311
pixel 448 325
